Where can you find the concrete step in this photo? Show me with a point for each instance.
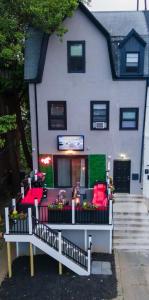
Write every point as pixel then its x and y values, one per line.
pixel 130 208
pixel 128 201
pixel 130 217
pixel 127 234
pixel 127 222
pixel 127 213
pixel 131 228
pixel 138 241
pixel 129 196
pixel 131 247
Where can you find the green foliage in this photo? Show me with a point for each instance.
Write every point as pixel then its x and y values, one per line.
pixel 7 123
pixel 97 168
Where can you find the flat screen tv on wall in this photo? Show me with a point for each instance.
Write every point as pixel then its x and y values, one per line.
pixel 70 142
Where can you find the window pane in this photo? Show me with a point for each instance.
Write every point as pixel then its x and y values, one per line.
pixel 57 123
pixel 77 64
pixel 57 110
pixel 132 59
pixel 129 115
pixel 128 124
pixel 76 50
pixel 99 112
pixel 99 106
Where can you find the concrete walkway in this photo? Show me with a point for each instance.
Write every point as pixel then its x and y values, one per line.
pixel 132 270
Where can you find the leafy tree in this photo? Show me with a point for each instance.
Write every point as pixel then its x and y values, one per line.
pixel 15 17
pixel 7 123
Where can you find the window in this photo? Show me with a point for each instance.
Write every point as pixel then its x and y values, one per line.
pixel 57 115
pixel 76 57
pixel 99 115
pixel 129 118
pixel 132 62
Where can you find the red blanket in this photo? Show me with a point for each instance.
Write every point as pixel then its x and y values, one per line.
pixel 31 195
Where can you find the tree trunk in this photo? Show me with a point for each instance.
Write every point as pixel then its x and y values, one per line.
pixel 13 161
pixel 22 135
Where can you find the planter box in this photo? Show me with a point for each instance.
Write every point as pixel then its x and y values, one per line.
pixel 59 216
pixel 92 216
pixel 81 216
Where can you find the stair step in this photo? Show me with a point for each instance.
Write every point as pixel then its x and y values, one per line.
pixel 127 217
pixel 128 201
pixel 125 196
pixel 139 241
pixel 143 214
pixel 132 247
pixel 118 234
pixel 131 222
pixel 131 228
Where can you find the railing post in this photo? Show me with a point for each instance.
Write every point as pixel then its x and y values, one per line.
pixel 36 209
pixel 73 211
pixel 29 182
pixel 110 211
pixel 90 241
pixel 14 203
pixel 89 261
pixel 7 219
pixel 30 220
pixel 22 191
pixel 60 241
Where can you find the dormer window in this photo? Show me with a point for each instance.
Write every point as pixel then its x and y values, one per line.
pixel 131 54
pixel 132 62
pixel 76 56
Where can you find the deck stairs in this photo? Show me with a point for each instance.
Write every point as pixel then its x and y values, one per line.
pixel 53 244
pixel 131 223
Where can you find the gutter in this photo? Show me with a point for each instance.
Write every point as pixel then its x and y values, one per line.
pixel 143 131
pixel 37 128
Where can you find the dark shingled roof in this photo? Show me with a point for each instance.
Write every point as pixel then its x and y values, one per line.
pixel 120 23
pixel 32 53
pixel 114 25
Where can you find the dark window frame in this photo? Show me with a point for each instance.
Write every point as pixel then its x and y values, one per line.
pixel 57 117
pixel 129 109
pixel 132 70
pixel 69 58
pixel 107 114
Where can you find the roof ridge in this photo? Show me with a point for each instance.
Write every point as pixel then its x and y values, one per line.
pixel 118 11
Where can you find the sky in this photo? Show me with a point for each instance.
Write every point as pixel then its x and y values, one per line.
pixel 117 4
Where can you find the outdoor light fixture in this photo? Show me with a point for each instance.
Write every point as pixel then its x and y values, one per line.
pixel 46 160
pixel 70 152
pixel 123 156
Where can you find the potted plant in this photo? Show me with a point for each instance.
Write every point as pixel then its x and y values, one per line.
pixel 14 216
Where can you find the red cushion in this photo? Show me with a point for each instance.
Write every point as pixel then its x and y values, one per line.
pixel 100 196
pixel 31 195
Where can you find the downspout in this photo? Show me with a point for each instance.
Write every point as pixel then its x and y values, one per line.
pixel 143 131
pixel 37 128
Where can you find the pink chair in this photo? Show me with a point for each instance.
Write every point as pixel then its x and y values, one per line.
pixel 100 195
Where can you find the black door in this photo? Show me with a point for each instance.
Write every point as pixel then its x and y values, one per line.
pixel 121 176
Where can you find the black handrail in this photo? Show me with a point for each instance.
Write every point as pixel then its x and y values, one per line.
pixel 69 249
pixel 74 253
pixel 48 235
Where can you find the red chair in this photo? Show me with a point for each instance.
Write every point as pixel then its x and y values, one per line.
pixel 100 195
